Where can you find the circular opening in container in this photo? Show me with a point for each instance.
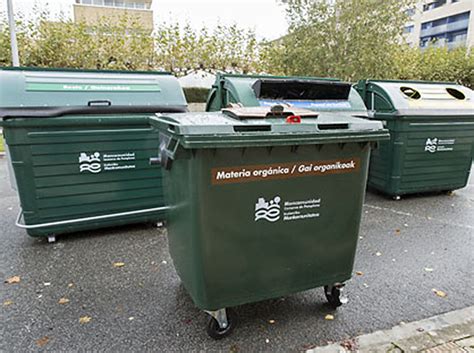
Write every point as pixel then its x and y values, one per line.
pixel 410 92
pixel 456 93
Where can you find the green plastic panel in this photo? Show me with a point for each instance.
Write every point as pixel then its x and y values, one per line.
pixel 60 88
pixel 217 130
pixel 77 167
pixel 431 147
pixel 238 89
pixel 264 233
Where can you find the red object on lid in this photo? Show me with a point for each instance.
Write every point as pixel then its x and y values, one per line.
pixel 293 119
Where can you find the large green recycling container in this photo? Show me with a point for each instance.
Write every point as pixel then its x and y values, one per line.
pixel 320 94
pixel 263 204
pixel 432 135
pixel 79 143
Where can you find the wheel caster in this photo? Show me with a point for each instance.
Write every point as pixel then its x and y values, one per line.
pixel 51 239
pixel 160 224
pixel 397 198
pixel 334 297
pixel 220 324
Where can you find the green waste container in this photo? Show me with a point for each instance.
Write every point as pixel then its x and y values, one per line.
pixel 432 135
pixel 79 144
pixel 264 202
pixel 319 94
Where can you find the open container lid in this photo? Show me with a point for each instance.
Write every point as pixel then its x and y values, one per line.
pixel 240 127
pixel 319 94
pixel 26 92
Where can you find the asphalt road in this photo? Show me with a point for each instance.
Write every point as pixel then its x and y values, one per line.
pixel 407 249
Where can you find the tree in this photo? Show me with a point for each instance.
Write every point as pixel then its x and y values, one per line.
pixel 349 39
pixel 126 46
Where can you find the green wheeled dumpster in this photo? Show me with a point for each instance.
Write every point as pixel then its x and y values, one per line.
pixel 79 143
pixel 432 135
pixel 264 202
pixel 319 94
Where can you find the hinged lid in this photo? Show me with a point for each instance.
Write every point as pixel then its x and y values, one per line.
pixel 209 130
pixel 44 93
pixel 417 98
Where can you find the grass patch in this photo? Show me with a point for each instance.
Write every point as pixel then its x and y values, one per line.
pixel 2 144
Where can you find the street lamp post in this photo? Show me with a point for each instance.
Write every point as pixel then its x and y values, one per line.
pixel 13 42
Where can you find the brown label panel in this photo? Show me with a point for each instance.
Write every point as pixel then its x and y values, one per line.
pixel 249 173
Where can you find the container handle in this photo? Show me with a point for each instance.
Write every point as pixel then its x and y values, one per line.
pixel 102 102
pixel 166 153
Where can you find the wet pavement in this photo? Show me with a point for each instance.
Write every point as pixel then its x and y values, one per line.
pixel 407 248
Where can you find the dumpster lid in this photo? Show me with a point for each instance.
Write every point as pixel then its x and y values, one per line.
pixel 60 90
pixel 208 130
pixel 316 94
pixel 424 98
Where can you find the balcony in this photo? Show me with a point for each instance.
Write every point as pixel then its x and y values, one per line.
pixel 449 27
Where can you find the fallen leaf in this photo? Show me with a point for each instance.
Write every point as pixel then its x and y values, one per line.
pixel 63 301
pixel 397 231
pixel 42 341
pixel 359 273
pixel 428 269
pixel 420 329
pixel 271 321
pixel 84 319
pixel 350 345
pixel 119 264
pixel 439 293
pixel 12 280
pixel 7 302
pixel 329 317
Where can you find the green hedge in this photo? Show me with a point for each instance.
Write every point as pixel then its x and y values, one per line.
pixel 196 95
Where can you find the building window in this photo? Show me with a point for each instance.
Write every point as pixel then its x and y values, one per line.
pixel 115 3
pixel 409 29
pixel 457 37
pixel 446 20
pixel 434 5
pixel 410 12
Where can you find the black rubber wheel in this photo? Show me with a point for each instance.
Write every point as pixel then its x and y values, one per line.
pixel 333 297
pixel 215 332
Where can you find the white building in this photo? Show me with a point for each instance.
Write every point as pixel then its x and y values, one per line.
pixel 441 23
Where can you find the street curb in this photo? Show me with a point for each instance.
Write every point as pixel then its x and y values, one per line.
pixel 438 331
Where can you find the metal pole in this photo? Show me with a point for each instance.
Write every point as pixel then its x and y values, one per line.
pixel 13 42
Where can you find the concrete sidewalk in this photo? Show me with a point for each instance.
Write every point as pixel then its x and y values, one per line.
pixel 450 332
